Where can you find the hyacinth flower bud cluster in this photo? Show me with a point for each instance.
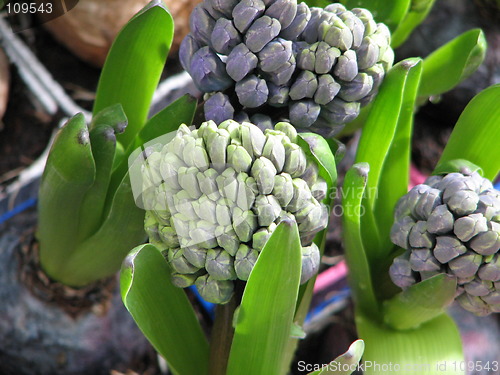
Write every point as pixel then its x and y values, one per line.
pixel 214 196
pixel 268 60
pixel 451 224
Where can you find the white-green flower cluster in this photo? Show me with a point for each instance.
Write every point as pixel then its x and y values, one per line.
pixel 451 224
pixel 215 195
pixel 313 67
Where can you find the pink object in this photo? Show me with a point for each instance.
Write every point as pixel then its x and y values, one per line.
pixel 330 276
pixel 416 177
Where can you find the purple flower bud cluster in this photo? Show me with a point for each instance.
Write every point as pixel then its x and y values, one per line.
pixel 451 224
pixel 281 60
pixel 214 196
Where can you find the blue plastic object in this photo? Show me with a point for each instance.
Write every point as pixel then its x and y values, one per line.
pixel 18 209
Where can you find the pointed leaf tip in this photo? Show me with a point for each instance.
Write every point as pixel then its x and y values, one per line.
pixel 410 63
pixel 362 169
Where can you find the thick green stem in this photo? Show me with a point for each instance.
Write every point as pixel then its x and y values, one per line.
pixel 222 335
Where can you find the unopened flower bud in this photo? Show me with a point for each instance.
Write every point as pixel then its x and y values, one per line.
pixel 447 227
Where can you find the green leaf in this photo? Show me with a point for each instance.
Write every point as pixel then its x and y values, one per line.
pixel 68 174
pixel 456 165
pixel 113 115
pixel 449 65
pixel 297 332
pixel 134 64
pixel 355 182
pixel 394 177
pixel 476 134
pixel 318 3
pixel 337 148
pixel 380 127
pixel 433 348
pixel 384 145
pixel 103 143
pixel 317 147
pixel 346 363
pixel 390 12
pixel 163 312
pixel 303 303
pixel 322 151
pixel 101 254
pixel 169 119
pixel 419 9
pixel 267 308
pixel 104 127
pixel 420 303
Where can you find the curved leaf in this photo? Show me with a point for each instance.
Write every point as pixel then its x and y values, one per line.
pixel 163 312
pixel 456 165
pixel 385 146
pixel 355 252
pixel 68 174
pixel 458 58
pixel 102 254
pixel 430 349
pixel 264 322
pixel 318 148
pixel 134 64
pixel 419 9
pixel 420 303
pixel 169 119
pixel 477 133
pixel 394 177
pixel 322 150
pixel 390 12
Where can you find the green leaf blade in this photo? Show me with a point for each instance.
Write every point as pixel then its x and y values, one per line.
pixel 356 254
pixel 390 12
pixel 420 303
pixel 394 177
pixel 394 99
pixel 317 147
pixel 477 133
pixel 459 58
pixel 380 127
pixel 265 318
pixel 322 151
pixel 432 348
pixel 134 64
pixel 163 312
pixel 169 119
pixel 68 174
pixel 101 254
pixel 419 9
pixel 103 150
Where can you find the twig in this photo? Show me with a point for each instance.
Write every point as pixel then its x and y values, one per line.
pixel 48 92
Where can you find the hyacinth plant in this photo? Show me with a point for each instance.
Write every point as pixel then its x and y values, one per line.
pixel 221 214
pixel 439 242
pixel 239 213
pixel 88 220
